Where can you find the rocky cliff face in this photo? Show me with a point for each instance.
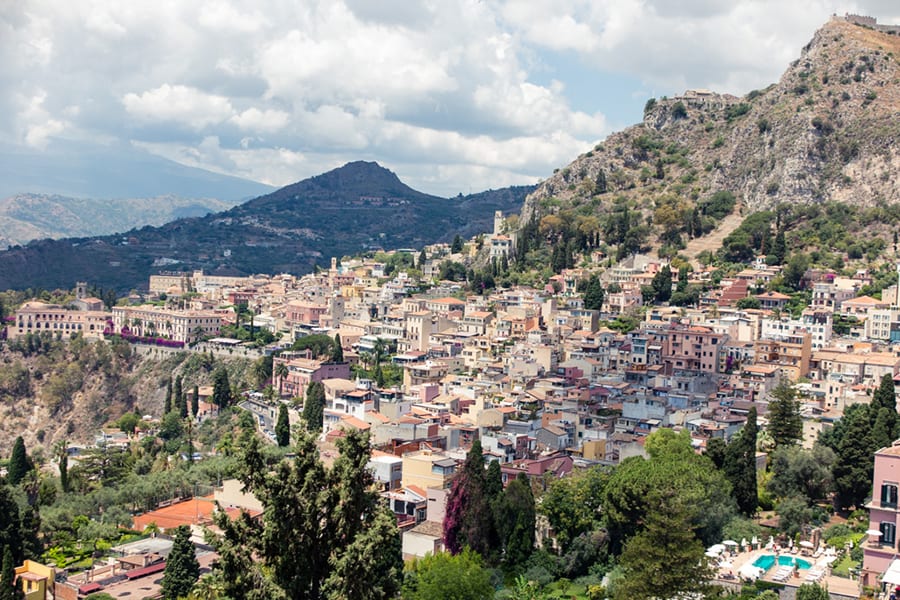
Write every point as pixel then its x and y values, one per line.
pixel 828 130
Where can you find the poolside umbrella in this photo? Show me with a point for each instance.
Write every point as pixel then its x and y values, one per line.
pixel 711 554
pixel 730 543
pixel 743 542
pixel 716 549
pixel 806 544
pixel 790 543
pixel 873 532
pixel 748 571
pixel 754 542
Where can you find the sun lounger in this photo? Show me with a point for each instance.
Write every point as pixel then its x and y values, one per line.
pixel 815 575
pixel 782 574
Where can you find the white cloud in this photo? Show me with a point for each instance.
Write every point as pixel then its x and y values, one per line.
pixel 254 119
pixel 450 94
pixel 179 103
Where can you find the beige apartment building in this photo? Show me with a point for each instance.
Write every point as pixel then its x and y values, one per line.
pixel 185 326
pixel 37 317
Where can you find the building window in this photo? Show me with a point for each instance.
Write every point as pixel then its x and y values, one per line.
pixel 889 495
pixel 888 533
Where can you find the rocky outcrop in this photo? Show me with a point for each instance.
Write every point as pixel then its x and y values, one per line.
pixel 828 130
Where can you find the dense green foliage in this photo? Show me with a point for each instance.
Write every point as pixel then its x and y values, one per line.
pixel 448 576
pixel 628 495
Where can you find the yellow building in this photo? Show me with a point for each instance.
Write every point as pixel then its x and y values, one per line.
pixel 34 579
pixel 427 469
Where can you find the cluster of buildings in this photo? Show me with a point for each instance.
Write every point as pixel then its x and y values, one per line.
pixel 532 373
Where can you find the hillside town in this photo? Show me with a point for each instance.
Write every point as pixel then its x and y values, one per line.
pixel 544 384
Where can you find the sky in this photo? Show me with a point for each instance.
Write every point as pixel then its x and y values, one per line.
pixel 455 96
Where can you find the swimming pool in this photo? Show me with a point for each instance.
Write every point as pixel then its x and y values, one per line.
pixel 767 560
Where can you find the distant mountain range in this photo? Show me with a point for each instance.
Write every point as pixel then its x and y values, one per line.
pixel 26 217
pixel 115 171
pixel 357 207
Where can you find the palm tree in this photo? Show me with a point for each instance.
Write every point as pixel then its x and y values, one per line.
pixel 208 587
pixel 281 372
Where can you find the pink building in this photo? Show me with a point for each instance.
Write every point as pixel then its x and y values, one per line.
pixel 302 371
pixel 303 313
pixel 884 516
pixel 692 348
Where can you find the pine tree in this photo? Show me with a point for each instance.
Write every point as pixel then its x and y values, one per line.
pixel 740 466
pixel 8 588
pixel 324 532
pixel 785 424
pixel 314 406
pixel 422 258
pixel 665 559
pixel 283 427
pixel 337 351
pixel 195 401
pixel 182 567
pixel 18 463
pixel 457 245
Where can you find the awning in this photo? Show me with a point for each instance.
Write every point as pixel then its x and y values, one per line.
pixel 892 575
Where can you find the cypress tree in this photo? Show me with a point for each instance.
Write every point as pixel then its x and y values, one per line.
pixel 785 424
pixel 178 396
pixel 8 588
pixel 64 470
pixel 182 568
pixel 337 351
pixel 779 247
pixel 314 406
pixel 886 397
pixel 221 388
pixel 167 405
pixel 283 427
pixel 18 463
pixel 740 465
pixel 593 293
pixel 515 521
pixel 854 465
pixel 195 401
pixel 662 284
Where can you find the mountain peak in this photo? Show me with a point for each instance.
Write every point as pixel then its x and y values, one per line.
pixel 825 131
